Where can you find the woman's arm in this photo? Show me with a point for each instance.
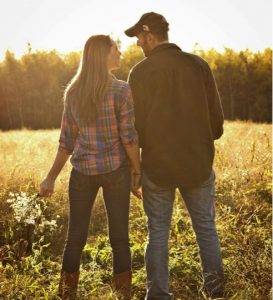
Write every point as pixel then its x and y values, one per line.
pixel 47 185
pixel 68 136
pixel 132 151
pixel 129 138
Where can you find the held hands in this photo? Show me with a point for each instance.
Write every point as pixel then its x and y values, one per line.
pixel 136 184
pixel 47 187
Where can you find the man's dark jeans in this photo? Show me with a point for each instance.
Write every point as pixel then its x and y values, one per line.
pixel 82 194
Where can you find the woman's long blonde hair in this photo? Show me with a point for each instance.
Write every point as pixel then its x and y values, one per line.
pixel 88 87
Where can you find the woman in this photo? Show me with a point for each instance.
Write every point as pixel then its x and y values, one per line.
pixel 98 130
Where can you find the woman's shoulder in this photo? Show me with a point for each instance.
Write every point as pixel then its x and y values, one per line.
pixel 120 86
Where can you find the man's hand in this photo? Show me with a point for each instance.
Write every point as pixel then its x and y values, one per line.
pixel 47 187
pixel 136 184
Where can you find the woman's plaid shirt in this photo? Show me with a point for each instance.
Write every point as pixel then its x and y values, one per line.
pixel 98 149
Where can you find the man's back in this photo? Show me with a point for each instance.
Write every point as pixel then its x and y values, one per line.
pixel 178 115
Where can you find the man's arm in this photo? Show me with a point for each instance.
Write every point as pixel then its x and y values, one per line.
pixel 138 94
pixel 215 106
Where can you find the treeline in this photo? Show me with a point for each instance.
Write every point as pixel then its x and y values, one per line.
pixel 31 88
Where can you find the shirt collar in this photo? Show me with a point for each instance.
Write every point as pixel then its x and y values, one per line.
pixel 163 47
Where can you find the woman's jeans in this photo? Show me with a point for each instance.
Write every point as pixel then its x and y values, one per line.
pixel 158 205
pixel 82 194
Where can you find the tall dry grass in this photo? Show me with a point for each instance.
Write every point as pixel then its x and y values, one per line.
pixel 243 187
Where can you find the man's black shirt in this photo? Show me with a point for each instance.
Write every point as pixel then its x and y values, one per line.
pixel 178 116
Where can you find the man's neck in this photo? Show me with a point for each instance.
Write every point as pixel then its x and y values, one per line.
pixel 156 43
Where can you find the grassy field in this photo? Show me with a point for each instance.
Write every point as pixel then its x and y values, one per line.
pixel 243 187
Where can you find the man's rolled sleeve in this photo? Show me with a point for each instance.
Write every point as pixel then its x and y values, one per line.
pixel 128 132
pixel 69 132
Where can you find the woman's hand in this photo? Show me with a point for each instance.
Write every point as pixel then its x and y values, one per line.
pixel 132 151
pixel 47 187
pixel 136 184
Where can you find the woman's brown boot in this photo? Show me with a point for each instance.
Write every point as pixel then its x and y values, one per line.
pixel 68 285
pixel 122 284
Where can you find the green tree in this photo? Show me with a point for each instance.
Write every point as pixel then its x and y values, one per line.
pixel 32 87
pixel 12 90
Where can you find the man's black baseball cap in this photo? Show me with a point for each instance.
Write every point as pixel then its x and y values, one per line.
pixel 149 22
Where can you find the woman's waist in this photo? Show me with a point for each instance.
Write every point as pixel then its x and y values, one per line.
pixel 100 163
pixel 97 146
pixel 97 154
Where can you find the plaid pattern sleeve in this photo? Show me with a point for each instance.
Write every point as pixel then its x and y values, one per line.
pixel 69 131
pixel 127 129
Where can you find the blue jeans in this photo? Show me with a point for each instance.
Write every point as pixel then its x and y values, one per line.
pixel 158 206
pixel 82 194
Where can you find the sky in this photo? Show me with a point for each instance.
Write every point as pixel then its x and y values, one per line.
pixel 65 25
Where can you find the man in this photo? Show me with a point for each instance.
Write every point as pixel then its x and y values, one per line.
pixel 178 117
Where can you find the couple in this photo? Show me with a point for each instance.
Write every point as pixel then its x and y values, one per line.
pixel 171 109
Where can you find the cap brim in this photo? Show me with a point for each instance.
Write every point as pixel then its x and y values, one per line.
pixel 132 31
